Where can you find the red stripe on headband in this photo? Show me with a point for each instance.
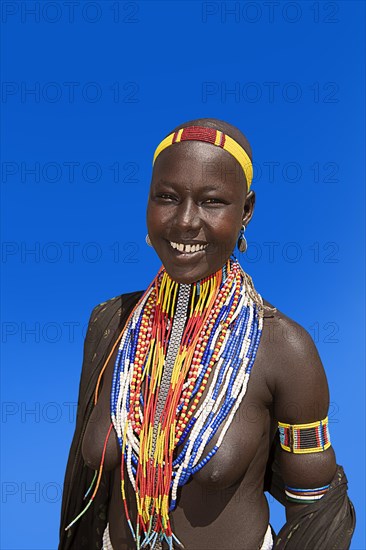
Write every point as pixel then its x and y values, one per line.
pixel 199 133
pixel 175 136
pixel 222 141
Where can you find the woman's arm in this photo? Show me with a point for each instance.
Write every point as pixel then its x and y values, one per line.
pixel 301 397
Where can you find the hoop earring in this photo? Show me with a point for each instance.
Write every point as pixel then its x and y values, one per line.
pixel 147 239
pixel 242 242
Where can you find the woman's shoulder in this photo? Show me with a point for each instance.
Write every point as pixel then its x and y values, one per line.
pixel 283 330
pixel 120 303
pixel 108 316
pixel 289 352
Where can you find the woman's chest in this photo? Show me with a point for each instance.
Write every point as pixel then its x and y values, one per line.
pixel 231 454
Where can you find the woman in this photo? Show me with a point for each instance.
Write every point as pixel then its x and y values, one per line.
pixel 197 394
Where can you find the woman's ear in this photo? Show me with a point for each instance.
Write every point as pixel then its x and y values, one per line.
pixel 248 207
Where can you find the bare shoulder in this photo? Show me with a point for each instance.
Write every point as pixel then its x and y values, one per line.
pixel 288 338
pixel 294 371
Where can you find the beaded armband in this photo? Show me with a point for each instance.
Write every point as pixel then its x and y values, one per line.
pixel 305 496
pixel 305 438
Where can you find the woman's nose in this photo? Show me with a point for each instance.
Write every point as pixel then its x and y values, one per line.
pixel 187 216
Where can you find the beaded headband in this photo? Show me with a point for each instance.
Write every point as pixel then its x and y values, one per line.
pixel 210 135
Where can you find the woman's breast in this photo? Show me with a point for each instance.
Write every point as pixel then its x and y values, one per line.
pixel 239 447
pixel 99 425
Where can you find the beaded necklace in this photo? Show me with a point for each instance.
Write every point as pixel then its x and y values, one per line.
pixel 181 372
pixel 175 337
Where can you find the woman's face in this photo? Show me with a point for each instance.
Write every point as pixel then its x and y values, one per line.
pixel 195 209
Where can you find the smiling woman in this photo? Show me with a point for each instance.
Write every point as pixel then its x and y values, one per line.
pixel 186 407
pixel 198 196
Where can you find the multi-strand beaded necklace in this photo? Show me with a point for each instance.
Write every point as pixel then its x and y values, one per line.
pixel 181 372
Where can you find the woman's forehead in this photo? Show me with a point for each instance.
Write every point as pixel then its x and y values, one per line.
pixel 203 160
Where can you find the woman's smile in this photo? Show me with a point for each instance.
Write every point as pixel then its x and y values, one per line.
pixel 188 248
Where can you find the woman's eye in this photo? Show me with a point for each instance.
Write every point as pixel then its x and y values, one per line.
pixel 213 201
pixel 165 196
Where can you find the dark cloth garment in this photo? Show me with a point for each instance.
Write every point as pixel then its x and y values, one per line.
pixel 326 524
pixel 105 324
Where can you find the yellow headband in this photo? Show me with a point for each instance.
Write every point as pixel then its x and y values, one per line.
pixel 210 135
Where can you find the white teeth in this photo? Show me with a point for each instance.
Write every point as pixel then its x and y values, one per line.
pixel 187 248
